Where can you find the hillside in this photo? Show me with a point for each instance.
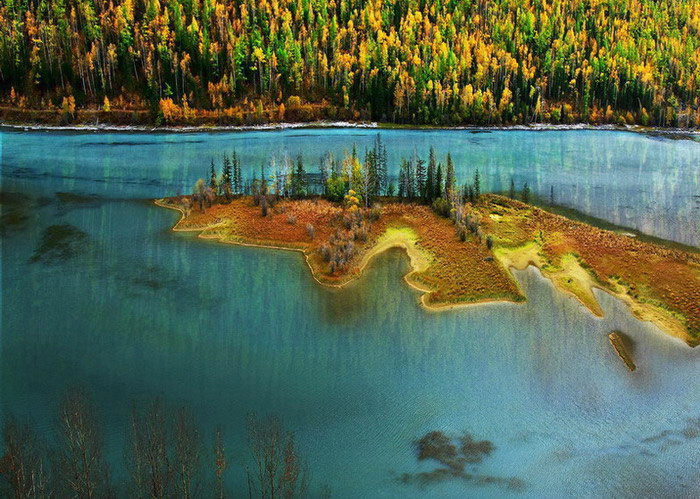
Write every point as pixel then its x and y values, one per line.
pixel 442 62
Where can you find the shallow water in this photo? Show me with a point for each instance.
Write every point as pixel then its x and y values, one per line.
pixel 135 310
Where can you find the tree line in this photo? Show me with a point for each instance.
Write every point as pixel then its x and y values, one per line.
pixel 165 455
pixel 367 176
pixel 405 61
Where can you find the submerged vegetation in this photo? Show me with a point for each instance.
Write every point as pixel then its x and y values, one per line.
pixel 245 61
pixel 461 242
pixel 165 455
pixel 59 242
pixel 456 460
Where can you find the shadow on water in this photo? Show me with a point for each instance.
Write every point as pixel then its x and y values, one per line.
pixel 457 459
pixel 60 243
pixel 14 212
pixel 362 297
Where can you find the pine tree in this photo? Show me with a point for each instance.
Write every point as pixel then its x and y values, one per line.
pixel 511 191
pixel 526 193
pixel 449 177
pixel 410 180
pixel 382 167
pixel 439 186
pixel 212 182
pixel 420 178
pixel 403 179
pixel 477 185
pixel 430 177
pixel 324 172
pixel 226 177
pixel 237 178
pixel 299 179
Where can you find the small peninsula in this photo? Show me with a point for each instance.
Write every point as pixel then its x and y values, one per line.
pixel 464 257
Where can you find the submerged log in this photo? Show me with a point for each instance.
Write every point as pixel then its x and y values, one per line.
pixel 618 342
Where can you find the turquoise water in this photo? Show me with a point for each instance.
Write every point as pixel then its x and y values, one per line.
pixel 358 373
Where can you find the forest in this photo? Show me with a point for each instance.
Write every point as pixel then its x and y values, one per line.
pixel 441 62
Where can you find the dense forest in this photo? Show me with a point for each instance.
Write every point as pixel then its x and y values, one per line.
pixel 403 61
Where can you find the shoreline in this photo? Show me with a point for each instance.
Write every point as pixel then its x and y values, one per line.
pixel 570 277
pixel 689 133
pixel 350 278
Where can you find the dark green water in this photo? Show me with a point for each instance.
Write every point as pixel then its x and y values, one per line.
pixel 136 310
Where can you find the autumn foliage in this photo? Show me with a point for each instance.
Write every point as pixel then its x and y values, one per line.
pixel 249 61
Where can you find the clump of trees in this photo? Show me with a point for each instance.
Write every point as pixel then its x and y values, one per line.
pixel 165 452
pixel 358 183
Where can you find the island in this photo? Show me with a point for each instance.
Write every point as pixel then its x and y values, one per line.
pixel 465 254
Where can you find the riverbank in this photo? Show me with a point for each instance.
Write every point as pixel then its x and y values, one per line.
pixel 96 123
pixel 659 284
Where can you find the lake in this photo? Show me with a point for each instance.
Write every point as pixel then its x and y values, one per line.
pixel 359 373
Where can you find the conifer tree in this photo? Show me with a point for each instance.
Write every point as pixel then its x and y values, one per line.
pixel 237 177
pixel 449 177
pixel 212 176
pixel 430 177
pixel 420 178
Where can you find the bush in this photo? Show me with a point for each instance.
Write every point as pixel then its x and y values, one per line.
pixel 375 213
pixel 441 207
pixel 291 219
pixel 361 233
pixel 293 101
pixel 462 233
pixel 326 253
pixel 310 231
pixel 489 242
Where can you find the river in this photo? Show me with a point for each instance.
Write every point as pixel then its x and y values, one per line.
pixel 360 373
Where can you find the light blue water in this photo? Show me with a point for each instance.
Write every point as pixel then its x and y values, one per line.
pixel 358 373
pixel 648 183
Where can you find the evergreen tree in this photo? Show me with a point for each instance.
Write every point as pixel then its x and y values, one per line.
pixel 449 177
pixel 410 180
pixel 371 174
pixel 212 175
pixel 237 178
pixel 403 179
pixel 511 191
pixel 477 185
pixel 323 170
pixel 299 179
pixel 420 178
pixel 526 193
pixel 430 177
pixel 226 177
pixel 439 186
